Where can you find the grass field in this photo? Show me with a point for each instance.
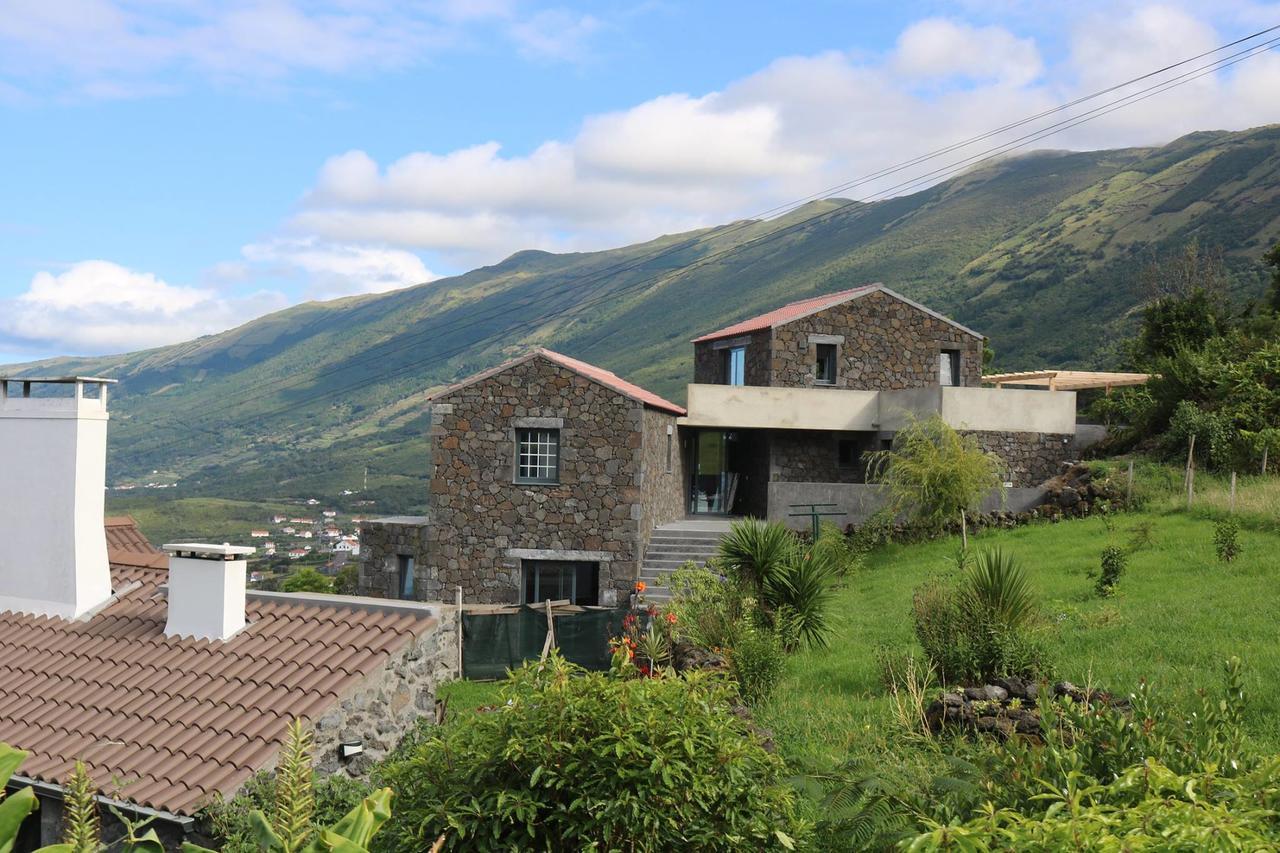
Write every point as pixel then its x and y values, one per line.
pixel 1178 614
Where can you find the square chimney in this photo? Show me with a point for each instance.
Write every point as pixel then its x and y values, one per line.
pixel 52 483
pixel 206 590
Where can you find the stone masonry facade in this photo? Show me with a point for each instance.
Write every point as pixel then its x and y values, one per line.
pixel 708 358
pixel 613 486
pixel 887 344
pixel 1030 457
pixel 383 707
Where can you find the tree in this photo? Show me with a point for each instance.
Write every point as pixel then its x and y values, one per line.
pixel 934 473
pixel 347 581
pixel 306 580
pixel 1187 304
pixel 1272 259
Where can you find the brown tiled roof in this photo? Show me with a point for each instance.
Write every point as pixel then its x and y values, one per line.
pixel 805 307
pixel 178 720
pixel 128 545
pixel 582 368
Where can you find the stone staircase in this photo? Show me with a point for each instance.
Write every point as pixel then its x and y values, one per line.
pixel 673 545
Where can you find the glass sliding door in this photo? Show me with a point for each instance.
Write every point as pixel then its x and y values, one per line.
pixel 714 481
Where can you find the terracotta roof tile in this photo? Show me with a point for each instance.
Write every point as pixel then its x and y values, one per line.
pixel 785 314
pixel 179 719
pixel 582 368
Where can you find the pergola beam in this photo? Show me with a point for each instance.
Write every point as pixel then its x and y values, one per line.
pixel 1066 380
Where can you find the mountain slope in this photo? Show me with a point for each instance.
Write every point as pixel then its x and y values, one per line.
pixel 1041 253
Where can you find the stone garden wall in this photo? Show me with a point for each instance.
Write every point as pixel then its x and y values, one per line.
pixel 662 485
pixel 1030 457
pixel 888 344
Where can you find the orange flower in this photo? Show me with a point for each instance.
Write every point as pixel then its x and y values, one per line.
pixel 639 586
pixel 671 619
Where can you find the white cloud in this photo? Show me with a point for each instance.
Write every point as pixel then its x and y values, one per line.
pixel 937 47
pixel 795 127
pixel 338 270
pixel 133 48
pixel 98 307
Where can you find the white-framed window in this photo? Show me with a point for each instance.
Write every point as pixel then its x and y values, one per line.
pixel 735 366
pixel 537 455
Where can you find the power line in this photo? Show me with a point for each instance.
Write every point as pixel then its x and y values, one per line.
pixel 989 154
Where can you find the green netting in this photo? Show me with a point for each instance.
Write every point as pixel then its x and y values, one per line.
pixel 492 643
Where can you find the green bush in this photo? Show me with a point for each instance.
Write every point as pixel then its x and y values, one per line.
pixel 979 626
pixel 708 606
pixel 1226 539
pixel 756 661
pixel 230 820
pixel 574 760
pixel 1114 562
pixel 754 550
pixel 933 473
pixel 306 579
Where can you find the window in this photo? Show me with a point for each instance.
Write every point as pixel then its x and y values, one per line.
pixel 824 371
pixel 735 366
pixel 847 452
pixel 949 367
pixel 537 456
pixel 670 430
pixel 557 580
pixel 405 569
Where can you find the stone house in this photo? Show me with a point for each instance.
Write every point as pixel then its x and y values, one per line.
pixel 550 475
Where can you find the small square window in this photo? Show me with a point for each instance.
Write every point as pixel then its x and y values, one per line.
pixel 847 453
pixel 405 576
pixel 824 369
pixel 537 456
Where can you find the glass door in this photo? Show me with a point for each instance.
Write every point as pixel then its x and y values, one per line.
pixel 713 483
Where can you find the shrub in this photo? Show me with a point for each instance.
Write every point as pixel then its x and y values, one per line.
pixel 754 550
pixel 798 596
pixel 1226 539
pixel 306 580
pixel 933 472
pixel 573 760
pixel 709 607
pixel 1114 562
pixel 756 660
pixel 842 552
pixel 979 626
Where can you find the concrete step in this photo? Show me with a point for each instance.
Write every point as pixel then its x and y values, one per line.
pixel 682 545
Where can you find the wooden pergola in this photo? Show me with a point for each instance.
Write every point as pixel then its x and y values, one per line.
pixel 1066 380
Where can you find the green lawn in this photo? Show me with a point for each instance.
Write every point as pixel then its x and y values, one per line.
pixel 1178 614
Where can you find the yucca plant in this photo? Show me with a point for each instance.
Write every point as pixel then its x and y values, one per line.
pixel 753 550
pixel 996 588
pixel 803 588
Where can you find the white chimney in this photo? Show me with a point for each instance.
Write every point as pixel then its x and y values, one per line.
pixel 53 468
pixel 206 590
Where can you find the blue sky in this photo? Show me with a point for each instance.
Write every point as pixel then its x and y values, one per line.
pixel 177 167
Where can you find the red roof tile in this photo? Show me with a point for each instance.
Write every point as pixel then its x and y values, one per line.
pixel 582 368
pixel 182 718
pixel 787 313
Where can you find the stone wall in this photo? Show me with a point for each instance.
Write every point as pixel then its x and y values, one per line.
pixel 662 486
pixel 888 344
pixel 383 707
pixel 1030 457
pixel 812 456
pixel 708 359
pixel 483 524
pixel 382 541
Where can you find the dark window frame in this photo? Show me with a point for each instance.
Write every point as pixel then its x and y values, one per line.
pixel 584 582
pixel 831 361
pixel 405 580
pixel 954 356
pixel 532 436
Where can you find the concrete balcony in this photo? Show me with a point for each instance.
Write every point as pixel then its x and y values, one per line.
pixel 842 410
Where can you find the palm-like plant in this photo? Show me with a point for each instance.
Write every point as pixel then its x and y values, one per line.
pixel 803 589
pixel 997 589
pixel 754 550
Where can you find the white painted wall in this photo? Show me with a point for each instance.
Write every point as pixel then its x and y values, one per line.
pixel 206 590
pixel 53 456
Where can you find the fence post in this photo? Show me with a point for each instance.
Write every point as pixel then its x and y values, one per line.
pixel 459 603
pixel 548 643
pixel 1190 475
pixel 1233 492
pixel 1128 490
pixel 1264 461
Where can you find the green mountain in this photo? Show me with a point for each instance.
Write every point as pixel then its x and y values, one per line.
pixel 1040 252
